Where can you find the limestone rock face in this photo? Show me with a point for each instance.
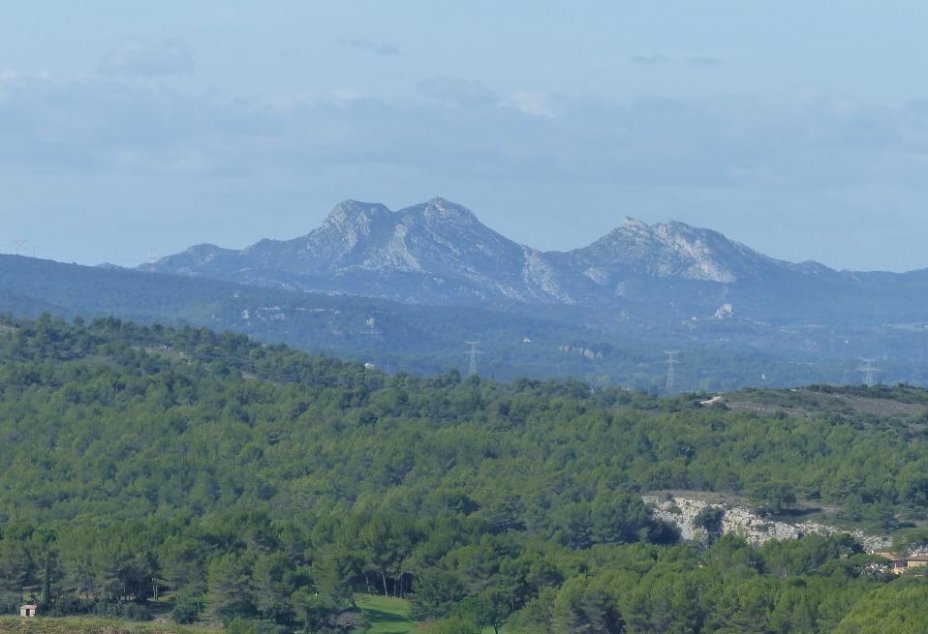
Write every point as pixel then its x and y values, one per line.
pixel 682 511
pixel 439 252
pixel 673 250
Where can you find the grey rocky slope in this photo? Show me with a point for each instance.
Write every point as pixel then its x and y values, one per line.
pixel 438 252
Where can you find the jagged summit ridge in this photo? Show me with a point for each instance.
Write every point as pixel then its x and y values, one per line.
pixel 439 251
pixel 434 251
pixel 673 249
pixel 352 213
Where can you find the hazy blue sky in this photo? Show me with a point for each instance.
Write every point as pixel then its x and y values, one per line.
pixel 798 128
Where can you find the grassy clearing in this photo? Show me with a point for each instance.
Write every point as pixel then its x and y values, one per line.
pixel 84 625
pixel 386 615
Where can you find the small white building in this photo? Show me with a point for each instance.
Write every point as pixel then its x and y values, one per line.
pixel 29 610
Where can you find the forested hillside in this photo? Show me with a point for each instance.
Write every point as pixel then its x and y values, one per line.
pixel 601 347
pixel 234 480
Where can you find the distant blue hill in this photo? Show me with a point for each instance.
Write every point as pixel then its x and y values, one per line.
pixel 404 290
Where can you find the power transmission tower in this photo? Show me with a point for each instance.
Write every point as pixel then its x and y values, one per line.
pixel 152 259
pixel 371 329
pixel 671 375
pixel 472 357
pixel 868 371
pixel 21 247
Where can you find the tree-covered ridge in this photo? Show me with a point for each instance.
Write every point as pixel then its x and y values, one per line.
pixel 606 347
pixel 253 481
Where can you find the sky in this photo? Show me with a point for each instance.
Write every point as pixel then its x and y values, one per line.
pixel 131 130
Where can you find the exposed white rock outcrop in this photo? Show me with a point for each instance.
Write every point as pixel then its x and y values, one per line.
pixel 682 511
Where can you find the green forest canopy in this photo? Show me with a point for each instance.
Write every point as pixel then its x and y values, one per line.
pixel 252 481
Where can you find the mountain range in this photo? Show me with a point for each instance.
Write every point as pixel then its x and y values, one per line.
pixel 438 252
pixel 406 289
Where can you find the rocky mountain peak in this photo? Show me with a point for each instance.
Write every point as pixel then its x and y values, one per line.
pixel 439 251
pixel 354 212
pixel 192 260
pixel 634 225
pixel 350 221
pixel 671 249
pixel 666 232
pixel 439 210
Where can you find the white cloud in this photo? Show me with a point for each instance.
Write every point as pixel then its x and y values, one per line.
pixel 655 59
pixel 704 61
pixel 179 161
pixel 536 104
pixel 456 91
pixel 379 48
pixel 649 59
pixel 104 124
pixel 171 57
pixel 669 157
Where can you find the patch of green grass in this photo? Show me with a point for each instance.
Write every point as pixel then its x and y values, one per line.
pixel 386 615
